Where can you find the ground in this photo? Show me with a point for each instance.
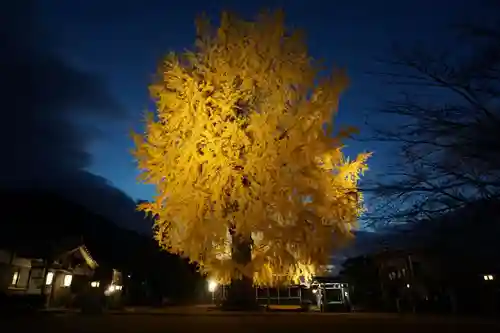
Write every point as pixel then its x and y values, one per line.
pixel 243 322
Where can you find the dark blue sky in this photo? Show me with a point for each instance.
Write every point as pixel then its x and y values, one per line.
pixel 122 42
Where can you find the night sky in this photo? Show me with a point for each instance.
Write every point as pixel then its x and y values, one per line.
pixel 114 47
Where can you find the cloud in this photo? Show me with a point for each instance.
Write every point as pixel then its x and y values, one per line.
pixel 45 102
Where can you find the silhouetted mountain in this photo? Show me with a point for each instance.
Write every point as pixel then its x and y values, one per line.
pixel 98 195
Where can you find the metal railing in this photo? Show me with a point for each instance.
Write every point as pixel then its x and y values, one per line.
pixel 282 296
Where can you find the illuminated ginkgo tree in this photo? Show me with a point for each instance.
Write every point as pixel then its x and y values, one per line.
pixel 250 178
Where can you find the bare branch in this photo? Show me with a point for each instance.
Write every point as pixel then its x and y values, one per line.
pixel 449 137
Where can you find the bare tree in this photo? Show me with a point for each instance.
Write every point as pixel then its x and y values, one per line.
pixel 448 132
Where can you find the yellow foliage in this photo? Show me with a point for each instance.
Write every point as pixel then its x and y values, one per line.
pixel 241 122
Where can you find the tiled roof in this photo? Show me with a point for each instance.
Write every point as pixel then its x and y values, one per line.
pixel 88 258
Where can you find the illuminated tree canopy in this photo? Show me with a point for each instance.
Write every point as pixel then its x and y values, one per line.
pixel 241 147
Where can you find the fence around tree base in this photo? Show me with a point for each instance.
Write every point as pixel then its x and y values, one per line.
pixel 321 295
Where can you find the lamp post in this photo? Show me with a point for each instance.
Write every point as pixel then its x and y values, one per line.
pixel 212 286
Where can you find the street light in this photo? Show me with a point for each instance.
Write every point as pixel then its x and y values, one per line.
pixel 212 286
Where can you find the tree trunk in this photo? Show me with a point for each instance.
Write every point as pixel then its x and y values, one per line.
pixel 241 292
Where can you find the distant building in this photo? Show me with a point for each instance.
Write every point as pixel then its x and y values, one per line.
pixel 450 264
pixel 63 281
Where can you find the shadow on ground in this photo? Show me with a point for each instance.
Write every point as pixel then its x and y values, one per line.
pixel 286 322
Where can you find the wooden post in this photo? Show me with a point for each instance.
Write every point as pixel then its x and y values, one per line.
pixel 412 282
